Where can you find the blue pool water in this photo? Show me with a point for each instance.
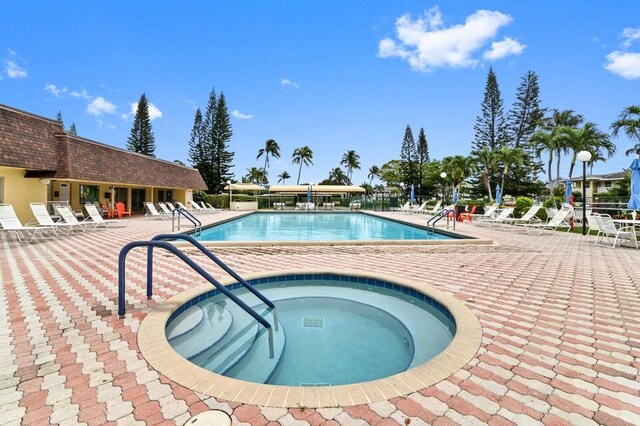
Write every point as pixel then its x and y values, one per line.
pixel 330 331
pixel 315 226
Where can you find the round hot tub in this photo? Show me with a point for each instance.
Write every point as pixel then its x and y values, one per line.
pixel 327 331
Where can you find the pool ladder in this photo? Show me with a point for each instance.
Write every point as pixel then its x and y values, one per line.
pixel 158 242
pixel 431 223
pixel 197 225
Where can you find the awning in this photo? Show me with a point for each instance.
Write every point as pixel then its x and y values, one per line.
pixel 243 187
pixel 315 189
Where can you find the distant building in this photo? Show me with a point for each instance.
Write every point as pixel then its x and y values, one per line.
pixel 40 162
pixel 597 184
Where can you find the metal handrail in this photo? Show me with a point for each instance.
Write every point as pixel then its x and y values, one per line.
pixel 442 213
pixel 207 253
pixel 173 249
pixel 182 212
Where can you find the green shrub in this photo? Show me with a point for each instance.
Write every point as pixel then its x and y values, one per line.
pixel 522 205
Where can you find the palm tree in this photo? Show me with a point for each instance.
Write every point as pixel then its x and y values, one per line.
pixel 565 118
pixel 352 161
pixel 302 156
pixel 508 156
pixel 338 177
pixel 485 161
pixel 282 177
pixel 629 123
pixel 458 168
pixel 272 148
pixel 255 175
pixel 374 171
pixel 541 142
pixel 588 138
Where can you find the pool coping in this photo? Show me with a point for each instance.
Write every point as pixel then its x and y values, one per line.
pixel 460 237
pixel 155 348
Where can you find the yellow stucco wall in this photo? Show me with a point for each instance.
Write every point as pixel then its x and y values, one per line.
pixel 19 191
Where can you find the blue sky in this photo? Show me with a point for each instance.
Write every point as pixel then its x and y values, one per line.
pixel 333 75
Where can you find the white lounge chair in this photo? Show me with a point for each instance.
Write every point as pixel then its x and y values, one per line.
pixel 528 217
pixel 489 213
pixel 183 207
pixel 608 229
pixel 25 234
pixel 419 210
pixel 557 221
pixel 170 206
pixel 435 208
pixel 592 224
pixel 500 219
pixel 153 213
pixel 208 207
pixel 96 217
pixel 42 218
pixel 69 216
pixel 165 209
pixel 403 208
pixel 196 208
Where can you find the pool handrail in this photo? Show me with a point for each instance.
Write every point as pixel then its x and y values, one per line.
pixel 173 249
pixel 211 256
pixel 197 224
pixel 435 218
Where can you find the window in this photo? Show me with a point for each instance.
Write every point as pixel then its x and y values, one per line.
pixel 607 184
pixel 89 193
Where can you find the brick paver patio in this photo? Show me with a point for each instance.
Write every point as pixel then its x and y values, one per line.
pixel 561 331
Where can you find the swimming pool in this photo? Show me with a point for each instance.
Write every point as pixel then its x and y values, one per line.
pixel 316 226
pixel 331 330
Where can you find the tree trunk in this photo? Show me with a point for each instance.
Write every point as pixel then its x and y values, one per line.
pixel 558 167
pixel 571 169
pixel 299 171
pixel 553 199
pixel 502 187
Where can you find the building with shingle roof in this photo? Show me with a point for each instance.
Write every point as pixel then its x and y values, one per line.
pixel 40 162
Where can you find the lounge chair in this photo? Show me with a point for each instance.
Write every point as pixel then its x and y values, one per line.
pixel 68 216
pixel 208 207
pixel 557 221
pixel 528 217
pixel 592 224
pixel 435 208
pixel 170 206
pixel 153 213
pixel 402 208
pixel 196 208
pixel 420 209
pixel 502 218
pixel 165 209
pixel 183 207
pixel 25 234
pixel 96 217
pixel 607 228
pixel 42 218
pixel 489 213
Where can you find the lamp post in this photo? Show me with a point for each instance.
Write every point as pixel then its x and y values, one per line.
pixel 585 157
pixel 443 176
pixel 229 185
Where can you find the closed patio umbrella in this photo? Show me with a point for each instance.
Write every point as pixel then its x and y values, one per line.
pixel 455 196
pixel 412 195
pixel 309 194
pixel 498 194
pixel 568 192
pixel 634 201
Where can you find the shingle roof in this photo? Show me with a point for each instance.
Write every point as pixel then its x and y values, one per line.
pixel 36 143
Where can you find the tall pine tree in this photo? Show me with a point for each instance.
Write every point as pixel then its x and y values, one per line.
pixel 72 129
pixel 141 138
pixel 59 119
pixel 221 136
pixel 491 126
pixel 423 158
pixel 198 149
pixel 408 159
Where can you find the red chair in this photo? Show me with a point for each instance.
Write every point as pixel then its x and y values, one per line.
pixel 120 208
pixel 468 216
pixel 110 212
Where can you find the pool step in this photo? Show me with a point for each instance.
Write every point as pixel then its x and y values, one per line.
pixel 255 365
pixel 213 328
pixel 186 322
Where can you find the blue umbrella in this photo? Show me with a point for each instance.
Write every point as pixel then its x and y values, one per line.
pixel 498 194
pixel 455 196
pixel 634 201
pixel 308 194
pixel 412 196
pixel 567 194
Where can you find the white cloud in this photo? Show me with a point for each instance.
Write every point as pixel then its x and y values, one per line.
pixel 630 35
pixel 427 44
pixel 100 106
pixel 237 114
pixel 624 64
pixel 285 82
pixel 83 94
pixel 506 47
pixel 154 111
pixel 12 69
pixel 54 90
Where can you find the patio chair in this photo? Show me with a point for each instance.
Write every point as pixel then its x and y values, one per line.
pixel 208 207
pixel 592 224
pixel 121 210
pixel 25 234
pixel 608 229
pixel 96 217
pixel 557 221
pixel 110 212
pixel 489 213
pixel 42 218
pixel 528 217
pixel 420 209
pixel 403 208
pixel 500 219
pixel 152 212
pixel 68 216
pixel 183 207
pixel 165 209
pixel 213 208
pixel 196 208
pixel 467 215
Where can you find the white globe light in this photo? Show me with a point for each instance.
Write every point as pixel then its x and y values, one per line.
pixel 584 156
pixel 443 175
